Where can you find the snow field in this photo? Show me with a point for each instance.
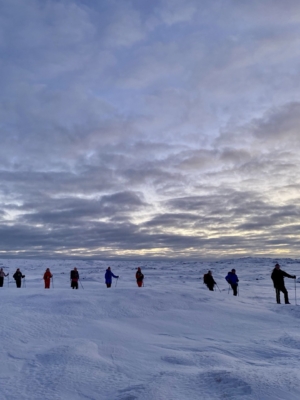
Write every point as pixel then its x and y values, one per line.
pixel 172 339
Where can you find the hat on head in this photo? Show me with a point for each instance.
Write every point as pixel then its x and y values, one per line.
pixel 139 268
pixel 233 270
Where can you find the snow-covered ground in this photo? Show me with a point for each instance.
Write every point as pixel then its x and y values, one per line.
pixel 172 339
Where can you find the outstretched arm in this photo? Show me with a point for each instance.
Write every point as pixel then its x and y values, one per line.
pixel 288 275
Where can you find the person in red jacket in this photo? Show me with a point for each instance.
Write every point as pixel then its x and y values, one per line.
pixel 47 277
pixel 139 277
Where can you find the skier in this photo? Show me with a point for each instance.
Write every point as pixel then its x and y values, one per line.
pixel 2 275
pixel 209 280
pixel 139 277
pixel 18 277
pixel 47 276
pixel 108 276
pixel 232 279
pixel 74 276
pixel 277 277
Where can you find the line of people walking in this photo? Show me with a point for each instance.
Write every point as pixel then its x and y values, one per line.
pixel 277 277
pixel 74 278
pixel 232 279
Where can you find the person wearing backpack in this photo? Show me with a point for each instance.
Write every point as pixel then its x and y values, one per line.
pixel 18 277
pixel 139 277
pixel 74 277
pixel 108 277
pixel 232 279
pixel 209 281
pixel 277 277
pixel 47 277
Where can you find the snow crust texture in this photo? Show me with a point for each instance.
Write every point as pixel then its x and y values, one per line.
pixel 172 339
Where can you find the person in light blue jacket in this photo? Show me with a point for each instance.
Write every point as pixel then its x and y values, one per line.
pixel 108 277
pixel 232 279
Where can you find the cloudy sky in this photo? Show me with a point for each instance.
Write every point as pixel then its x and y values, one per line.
pixel 164 128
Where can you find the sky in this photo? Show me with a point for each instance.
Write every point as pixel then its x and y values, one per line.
pixel 137 129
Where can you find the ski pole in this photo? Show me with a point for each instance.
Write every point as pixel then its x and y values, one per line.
pixel 116 282
pixel 24 283
pixel 295 292
pixel 81 284
pixel 228 287
pixel 52 283
pixel 218 287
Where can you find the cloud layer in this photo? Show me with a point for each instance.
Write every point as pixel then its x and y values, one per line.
pixel 131 129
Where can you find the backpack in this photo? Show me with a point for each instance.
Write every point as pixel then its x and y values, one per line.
pixel 205 278
pixel 139 276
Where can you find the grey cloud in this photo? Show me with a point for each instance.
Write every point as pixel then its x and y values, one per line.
pixel 73 210
pixel 122 201
pixel 277 217
pixel 126 27
pixel 280 124
pixel 177 11
pixel 136 126
pixel 169 220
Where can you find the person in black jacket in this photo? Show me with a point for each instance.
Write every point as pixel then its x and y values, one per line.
pixel 277 277
pixel 209 280
pixel 18 277
pixel 2 275
pixel 74 276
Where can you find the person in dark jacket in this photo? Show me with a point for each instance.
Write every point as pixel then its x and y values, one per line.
pixel 18 277
pixel 139 277
pixel 108 277
pixel 74 277
pixel 209 280
pixel 232 279
pixel 277 277
pixel 2 275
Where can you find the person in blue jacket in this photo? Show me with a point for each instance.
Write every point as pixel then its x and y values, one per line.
pixel 108 277
pixel 232 279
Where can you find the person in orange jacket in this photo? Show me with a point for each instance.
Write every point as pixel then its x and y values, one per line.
pixel 139 277
pixel 47 277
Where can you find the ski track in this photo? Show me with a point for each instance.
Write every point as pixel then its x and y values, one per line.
pixel 164 341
